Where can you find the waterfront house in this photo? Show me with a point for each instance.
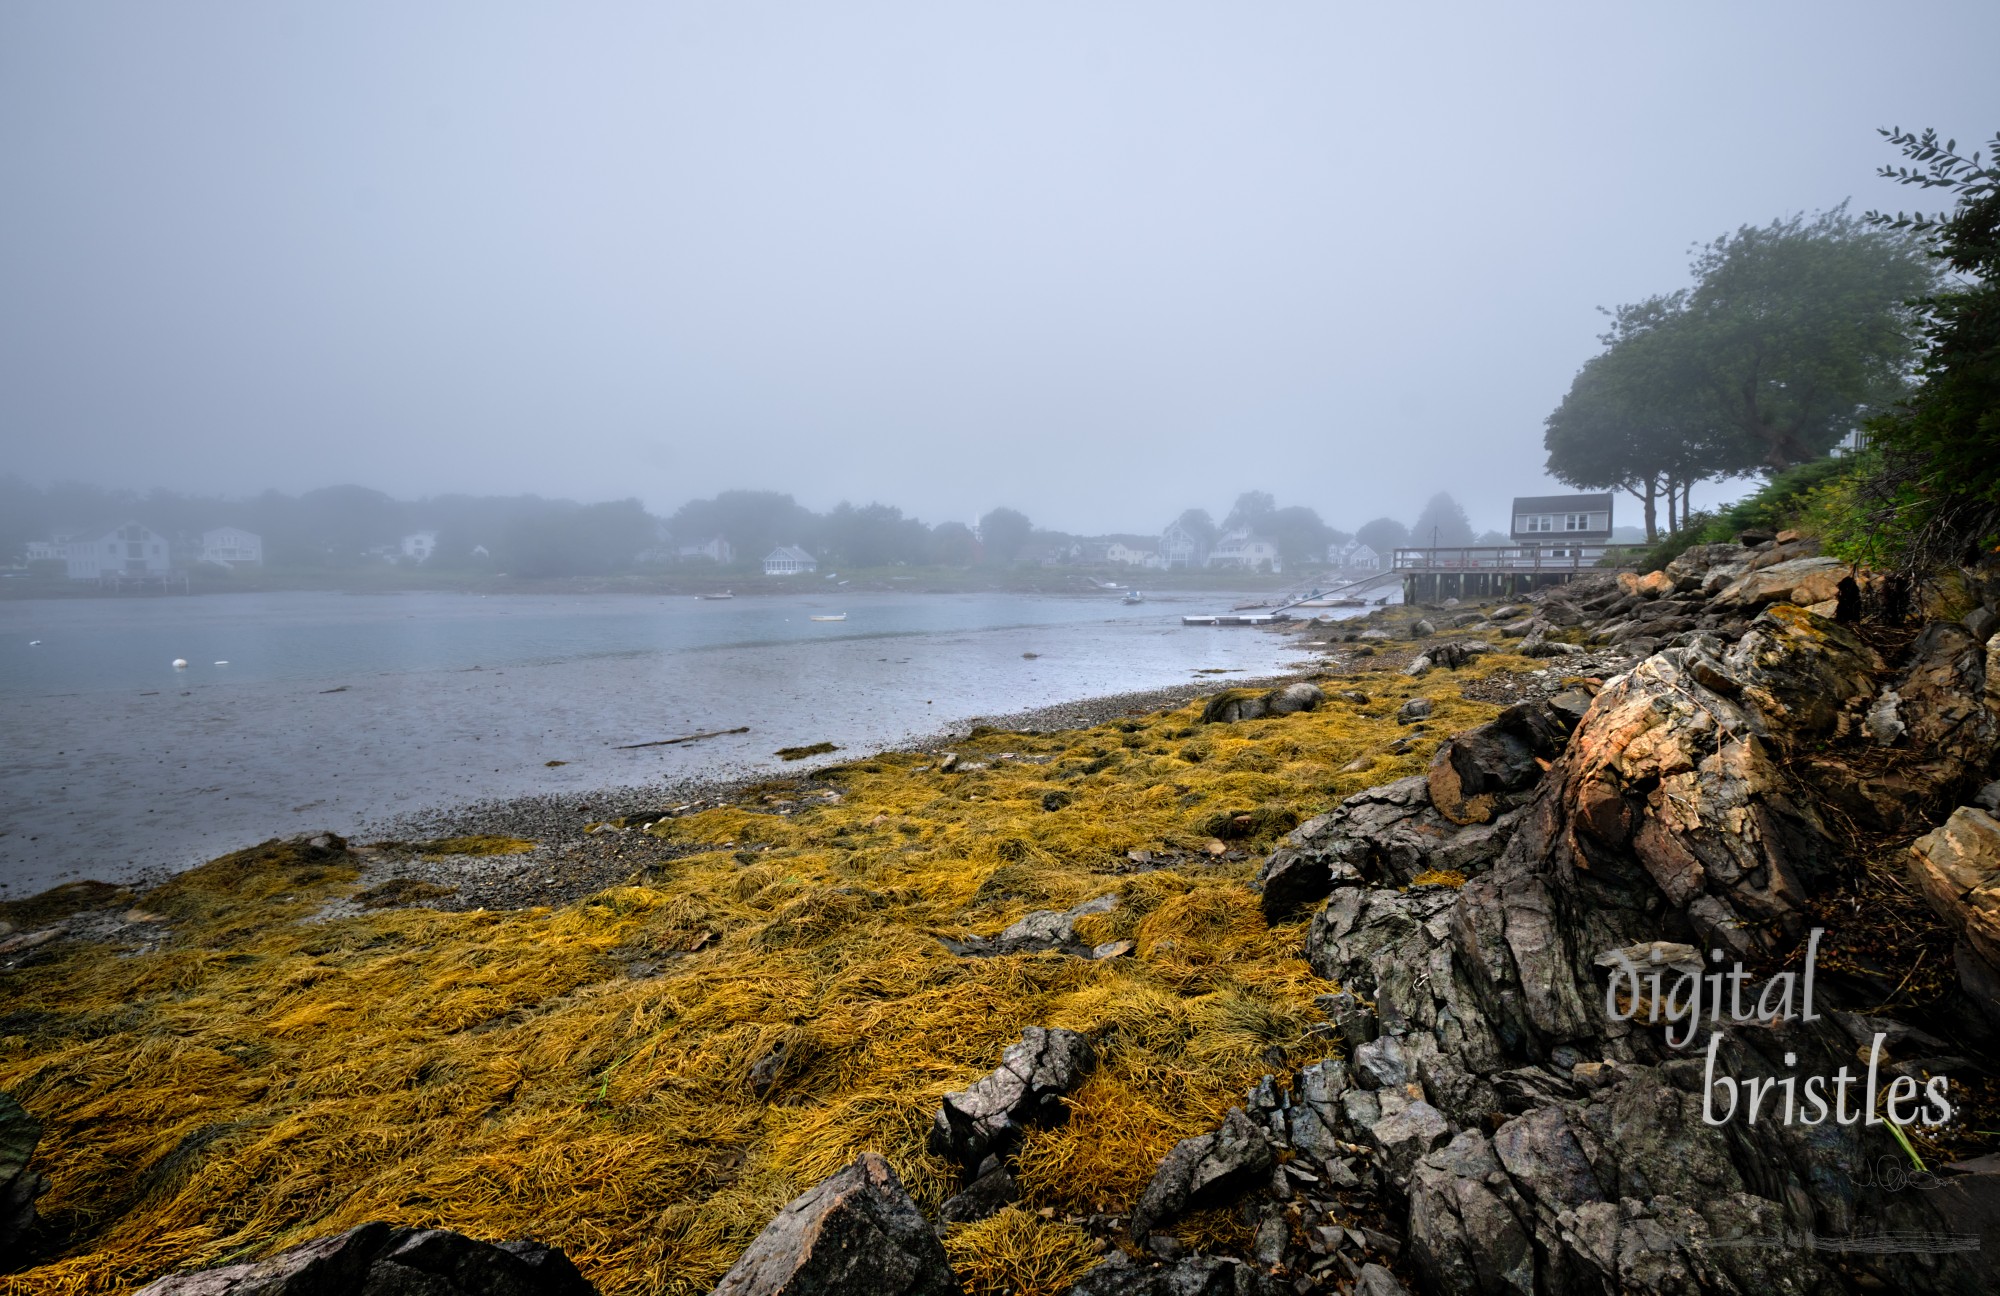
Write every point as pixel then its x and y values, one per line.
pixel 419 545
pixel 716 550
pixel 232 547
pixel 1180 548
pixel 129 550
pixel 1558 524
pixel 1127 555
pixel 1354 556
pixel 1242 550
pixel 789 560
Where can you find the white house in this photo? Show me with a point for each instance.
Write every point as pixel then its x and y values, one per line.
pixel 420 545
pixel 1180 547
pixel 789 560
pixel 716 550
pixel 232 547
pixel 1241 549
pixel 1128 555
pixel 1354 556
pixel 130 550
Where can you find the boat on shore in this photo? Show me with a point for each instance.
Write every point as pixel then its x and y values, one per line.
pixel 1133 596
pixel 839 616
pixel 726 594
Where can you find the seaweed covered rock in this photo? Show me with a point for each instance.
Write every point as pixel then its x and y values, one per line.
pixel 1242 704
pixel 1027 1087
pixel 382 1260
pixel 19 1186
pixel 1042 929
pixel 1205 1170
pixel 855 1233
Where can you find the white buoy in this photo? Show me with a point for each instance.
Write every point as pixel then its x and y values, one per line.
pixel 222 663
pixel 34 643
pixel 180 663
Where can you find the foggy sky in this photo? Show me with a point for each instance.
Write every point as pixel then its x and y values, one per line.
pixel 1097 261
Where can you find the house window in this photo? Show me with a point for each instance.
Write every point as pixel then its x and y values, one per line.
pixel 1539 522
pixel 1576 522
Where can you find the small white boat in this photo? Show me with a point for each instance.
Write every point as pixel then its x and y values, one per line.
pixel 838 617
pixel 1133 596
pixel 725 594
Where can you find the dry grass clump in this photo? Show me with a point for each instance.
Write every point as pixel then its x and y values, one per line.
pixel 580 1074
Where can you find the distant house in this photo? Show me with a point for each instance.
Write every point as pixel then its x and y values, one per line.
pixel 129 550
pixel 789 560
pixel 716 550
pixel 1128 555
pixel 1354 556
pixel 1242 550
pixel 1180 548
pixel 420 545
pixel 232 547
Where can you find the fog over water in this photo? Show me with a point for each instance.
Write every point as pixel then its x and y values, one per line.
pixel 1097 262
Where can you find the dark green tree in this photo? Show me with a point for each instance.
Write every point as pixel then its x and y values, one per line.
pixel 1197 523
pixel 1002 533
pixel 1443 522
pixel 1299 534
pixel 1939 483
pixel 1801 327
pixel 1383 535
pixel 1251 511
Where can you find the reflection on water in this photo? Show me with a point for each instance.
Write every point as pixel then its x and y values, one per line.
pixel 334 709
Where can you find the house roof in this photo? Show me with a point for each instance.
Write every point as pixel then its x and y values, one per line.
pixel 791 552
pixel 1562 503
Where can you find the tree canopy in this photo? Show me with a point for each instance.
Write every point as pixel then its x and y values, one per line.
pixel 1383 535
pixel 1943 442
pixel 1004 532
pixel 1790 335
pixel 1443 522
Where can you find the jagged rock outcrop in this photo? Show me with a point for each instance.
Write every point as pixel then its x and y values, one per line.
pixel 856 1233
pixel 19 1186
pixel 1683 808
pixel 1388 834
pixel 1028 1087
pixel 1956 867
pixel 1204 1170
pixel 1121 1275
pixel 382 1260
pixel 1473 774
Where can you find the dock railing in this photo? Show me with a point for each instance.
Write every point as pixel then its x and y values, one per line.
pixel 1500 558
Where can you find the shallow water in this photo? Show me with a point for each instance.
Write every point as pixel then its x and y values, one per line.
pixel 335 710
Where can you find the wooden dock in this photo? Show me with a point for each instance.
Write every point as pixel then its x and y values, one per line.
pixel 1238 619
pixel 1480 571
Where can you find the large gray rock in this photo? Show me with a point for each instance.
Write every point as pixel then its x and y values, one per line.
pixel 19 1186
pixel 1121 1275
pixel 855 1234
pixel 1205 1170
pixel 1027 1087
pixel 1474 775
pixel 383 1260
pixel 1801 581
pixel 1041 930
pixel 1387 834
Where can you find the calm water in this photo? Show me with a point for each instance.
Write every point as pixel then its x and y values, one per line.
pixel 336 710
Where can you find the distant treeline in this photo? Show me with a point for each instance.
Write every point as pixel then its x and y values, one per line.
pixel 528 535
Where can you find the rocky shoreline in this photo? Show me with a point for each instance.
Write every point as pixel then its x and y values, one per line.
pixel 1756 764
